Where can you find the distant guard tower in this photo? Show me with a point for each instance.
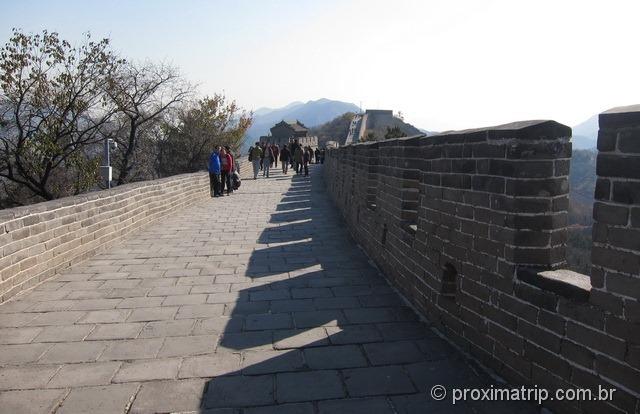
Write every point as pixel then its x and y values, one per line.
pixel 361 122
pixel 284 132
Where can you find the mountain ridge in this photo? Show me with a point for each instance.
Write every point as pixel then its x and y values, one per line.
pixel 310 113
pixel 585 134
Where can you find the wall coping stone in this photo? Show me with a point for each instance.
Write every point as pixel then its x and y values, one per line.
pixel 523 130
pixel 620 116
pixel 563 282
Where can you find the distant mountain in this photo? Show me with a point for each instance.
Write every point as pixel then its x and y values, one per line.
pixel 265 111
pixel 585 135
pixel 311 114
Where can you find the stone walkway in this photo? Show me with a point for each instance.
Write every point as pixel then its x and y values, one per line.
pixel 256 303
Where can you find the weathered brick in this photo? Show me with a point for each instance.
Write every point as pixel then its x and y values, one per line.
pixel 549 187
pixel 548 360
pixel 539 336
pixel 610 165
pixel 629 141
pixel 488 184
pixel 623 284
pixel 577 353
pixel 595 339
pixel 606 301
pixel 616 260
pixel 627 192
pixel 506 337
pixel 521 169
pixel 618 372
pixel 603 189
pixel 536 296
pixel 582 312
pixel 606 140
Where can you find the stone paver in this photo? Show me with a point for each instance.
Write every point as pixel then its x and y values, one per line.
pixel 255 303
pixel 30 402
pixel 264 362
pixel 23 378
pixel 240 391
pixel 105 399
pixel 12 336
pixel 63 333
pixel 309 386
pixel 83 375
pixel 20 354
pixel 132 349
pixel 378 381
pixel 115 331
pixel 213 365
pixel 146 370
pixel 169 396
pixel 71 352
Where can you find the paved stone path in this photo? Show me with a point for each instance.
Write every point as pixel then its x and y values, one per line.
pixel 256 303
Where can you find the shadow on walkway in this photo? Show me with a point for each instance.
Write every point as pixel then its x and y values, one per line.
pixel 321 331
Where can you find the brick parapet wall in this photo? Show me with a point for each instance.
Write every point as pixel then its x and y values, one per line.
pixel 615 274
pixel 471 227
pixel 39 240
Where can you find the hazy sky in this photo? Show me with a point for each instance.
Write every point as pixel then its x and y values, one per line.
pixel 445 64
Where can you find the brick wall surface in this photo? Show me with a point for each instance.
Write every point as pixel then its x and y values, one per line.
pixel 38 240
pixel 470 227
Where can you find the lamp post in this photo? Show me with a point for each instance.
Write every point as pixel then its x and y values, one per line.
pixel 105 170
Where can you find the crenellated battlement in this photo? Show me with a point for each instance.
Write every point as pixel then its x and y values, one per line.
pixel 470 226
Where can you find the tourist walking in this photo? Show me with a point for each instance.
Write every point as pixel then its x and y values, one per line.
pixel 214 173
pixel 276 153
pixel 322 156
pixel 298 158
pixel 307 160
pixel 255 156
pixel 317 155
pixel 292 151
pixel 310 154
pixel 284 159
pixel 226 166
pixel 268 159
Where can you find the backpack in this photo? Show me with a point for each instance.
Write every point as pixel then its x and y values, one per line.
pixel 235 178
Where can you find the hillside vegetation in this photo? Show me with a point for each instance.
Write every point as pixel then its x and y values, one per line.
pixel 338 128
pixel 334 130
pixel 378 128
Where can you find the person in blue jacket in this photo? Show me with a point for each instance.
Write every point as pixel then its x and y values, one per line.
pixel 214 173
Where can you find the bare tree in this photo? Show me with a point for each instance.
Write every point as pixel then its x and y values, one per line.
pixel 52 107
pixel 142 93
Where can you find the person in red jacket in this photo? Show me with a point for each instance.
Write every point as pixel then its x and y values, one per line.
pixel 226 165
pixel 233 168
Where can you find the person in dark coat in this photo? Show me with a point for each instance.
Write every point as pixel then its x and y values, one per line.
pixel 306 160
pixel 285 156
